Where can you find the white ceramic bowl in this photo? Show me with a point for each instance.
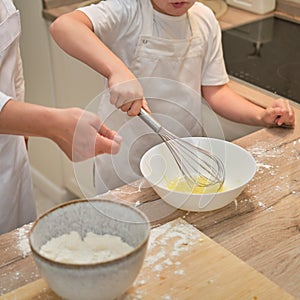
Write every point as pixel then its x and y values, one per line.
pixel 103 280
pixel 158 167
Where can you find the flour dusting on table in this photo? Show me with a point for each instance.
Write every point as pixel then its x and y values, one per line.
pixel 167 244
pixel 22 240
pixel 267 161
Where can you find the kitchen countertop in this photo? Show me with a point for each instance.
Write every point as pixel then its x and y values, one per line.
pixel 262 227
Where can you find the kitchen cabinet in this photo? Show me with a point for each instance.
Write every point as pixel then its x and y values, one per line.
pixel 75 84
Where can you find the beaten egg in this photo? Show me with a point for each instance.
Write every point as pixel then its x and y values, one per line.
pixel 180 184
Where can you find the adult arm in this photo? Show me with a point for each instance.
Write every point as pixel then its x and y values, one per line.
pixel 79 134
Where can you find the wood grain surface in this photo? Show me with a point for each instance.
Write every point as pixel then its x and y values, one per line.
pixel 179 253
pixel 261 227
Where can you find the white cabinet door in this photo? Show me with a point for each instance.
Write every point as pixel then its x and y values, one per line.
pixel 75 84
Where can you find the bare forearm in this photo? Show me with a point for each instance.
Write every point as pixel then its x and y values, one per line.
pixel 232 106
pixel 80 134
pixel 73 32
pixel 26 119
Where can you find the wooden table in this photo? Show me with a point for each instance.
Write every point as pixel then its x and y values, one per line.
pixel 261 227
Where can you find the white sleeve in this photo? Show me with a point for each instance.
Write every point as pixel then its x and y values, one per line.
pixel 19 84
pixel 19 79
pixel 3 100
pixel 118 24
pixel 213 68
pixel 111 18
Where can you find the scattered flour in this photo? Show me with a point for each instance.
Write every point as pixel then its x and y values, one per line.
pixel 71 248
pixel 267 161
pixel 22 240
pixel 167 244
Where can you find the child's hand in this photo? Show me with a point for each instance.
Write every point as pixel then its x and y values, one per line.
pixel 280 113
pixel 127 93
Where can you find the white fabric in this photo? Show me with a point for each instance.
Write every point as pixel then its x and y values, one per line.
pixel 168 27
pixel 16 197
pixel 19 78
pixel 171 71
pixel 118 23
pixel 3 99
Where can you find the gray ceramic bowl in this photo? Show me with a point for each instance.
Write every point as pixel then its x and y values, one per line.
pixel 103 280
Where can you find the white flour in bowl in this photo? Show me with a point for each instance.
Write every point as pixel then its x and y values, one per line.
pixel 71 248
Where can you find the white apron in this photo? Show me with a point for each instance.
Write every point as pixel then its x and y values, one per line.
pixel 16 197
pixel 170 73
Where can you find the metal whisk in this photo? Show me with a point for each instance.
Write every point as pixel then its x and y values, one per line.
pixel 193 161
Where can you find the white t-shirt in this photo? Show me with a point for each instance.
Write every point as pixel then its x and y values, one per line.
pixel 18 74
pixel 3 97
pixel 118 23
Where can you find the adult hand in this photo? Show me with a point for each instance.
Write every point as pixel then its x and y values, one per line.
pixel 82 135
pixel 279 113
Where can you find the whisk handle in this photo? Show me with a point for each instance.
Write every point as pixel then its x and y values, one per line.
pixel 151 122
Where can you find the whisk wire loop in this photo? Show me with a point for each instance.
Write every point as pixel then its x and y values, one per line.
pixel 192 161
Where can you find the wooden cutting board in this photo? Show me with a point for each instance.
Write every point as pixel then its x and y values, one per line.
pixel 183 263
